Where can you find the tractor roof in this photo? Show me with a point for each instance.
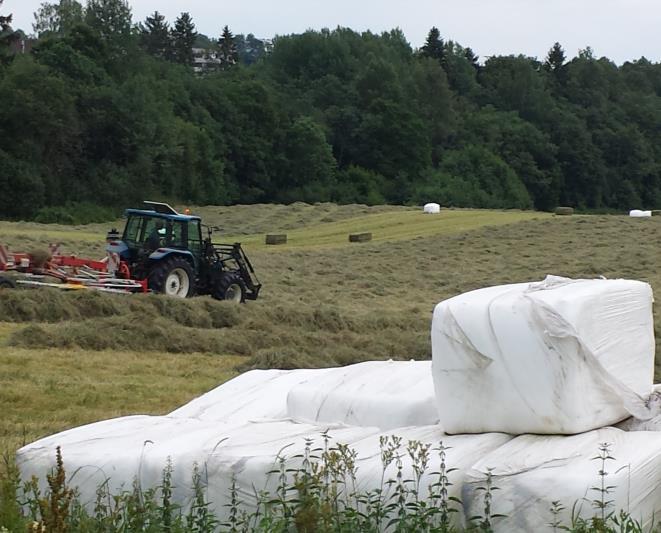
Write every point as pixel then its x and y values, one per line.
pixel 160 210
pixel 165 216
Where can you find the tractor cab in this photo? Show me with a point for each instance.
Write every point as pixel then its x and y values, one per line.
pixel 153 233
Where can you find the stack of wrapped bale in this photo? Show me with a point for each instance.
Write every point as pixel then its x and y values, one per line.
pixel 523 381
pixel 560 357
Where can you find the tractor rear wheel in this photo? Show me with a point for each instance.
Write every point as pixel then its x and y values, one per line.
pixel 173 277
pixel 6 283
pixel 230 287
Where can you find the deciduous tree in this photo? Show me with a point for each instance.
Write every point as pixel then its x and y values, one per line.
pixel 57 19
pixel 112 19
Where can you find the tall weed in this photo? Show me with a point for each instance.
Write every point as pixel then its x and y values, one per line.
pixel 315 492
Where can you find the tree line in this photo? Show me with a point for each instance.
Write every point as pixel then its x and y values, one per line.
pixel 104 111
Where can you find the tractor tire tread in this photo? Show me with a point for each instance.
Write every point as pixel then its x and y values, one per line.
pixel 224 281
pixel 160 271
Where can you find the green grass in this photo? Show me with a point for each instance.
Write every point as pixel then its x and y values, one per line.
pixel 393 226
pixel 268 218
pixel 324 302
pixel 43 391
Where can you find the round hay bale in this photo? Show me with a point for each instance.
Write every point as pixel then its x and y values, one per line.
pixel 564 211
pixel 656 212
pixel 360 237
pixel 276 238
pixel 39 258
pixel 432 208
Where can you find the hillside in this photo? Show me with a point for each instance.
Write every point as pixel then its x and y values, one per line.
pixel 93 355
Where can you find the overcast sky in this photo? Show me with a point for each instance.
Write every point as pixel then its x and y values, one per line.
pixel 619 29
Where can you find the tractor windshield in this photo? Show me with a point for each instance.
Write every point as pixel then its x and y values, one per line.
pixel 133 231
pixel 154 232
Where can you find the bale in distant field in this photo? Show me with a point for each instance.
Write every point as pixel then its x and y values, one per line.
pixel 564 210
pixel 279 238
pixel 360 237
pixel 432 208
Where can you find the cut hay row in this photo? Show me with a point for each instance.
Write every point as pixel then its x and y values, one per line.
pixel 321 305
pixel 393 226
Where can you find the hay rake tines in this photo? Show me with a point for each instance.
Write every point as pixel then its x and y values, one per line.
pixel 59 271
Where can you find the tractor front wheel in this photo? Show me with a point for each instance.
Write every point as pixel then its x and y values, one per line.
pixel 230 286
pixel 173 277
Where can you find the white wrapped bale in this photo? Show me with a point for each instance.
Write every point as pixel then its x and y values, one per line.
pixel 122 451
pixel 432 208
pixel 532 471
pixel 249 454
pixel 384 394
pixel 251 396
pixel 637 213
pixel 111 451
pixel 557 357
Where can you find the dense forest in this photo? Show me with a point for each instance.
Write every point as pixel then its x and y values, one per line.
pixel 104 111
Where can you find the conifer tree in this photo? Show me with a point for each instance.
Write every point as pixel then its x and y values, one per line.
pixel 5 21
pixel 183 39
pixel 472 58
pixel 555 59
pixel 155 36
pixel 434 46
pixel 227 53
pixel 7 36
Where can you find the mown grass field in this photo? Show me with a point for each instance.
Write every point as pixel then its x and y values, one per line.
pixel 70 358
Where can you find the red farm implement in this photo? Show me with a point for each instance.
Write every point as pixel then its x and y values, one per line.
pixel 67 272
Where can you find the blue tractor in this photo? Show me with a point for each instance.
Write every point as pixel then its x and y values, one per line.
pixel 167 250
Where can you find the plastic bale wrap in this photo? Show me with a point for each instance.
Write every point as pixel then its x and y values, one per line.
pixel 637 213
pixel 137 449
pixel 531 472
pixel 109 452
pixel 557 357
pixel 247 456
pixel 384 394
pixel 431 208
pixel 256 394
pixel 652 424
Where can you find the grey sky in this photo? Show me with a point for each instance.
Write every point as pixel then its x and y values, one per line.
pixel 619 29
